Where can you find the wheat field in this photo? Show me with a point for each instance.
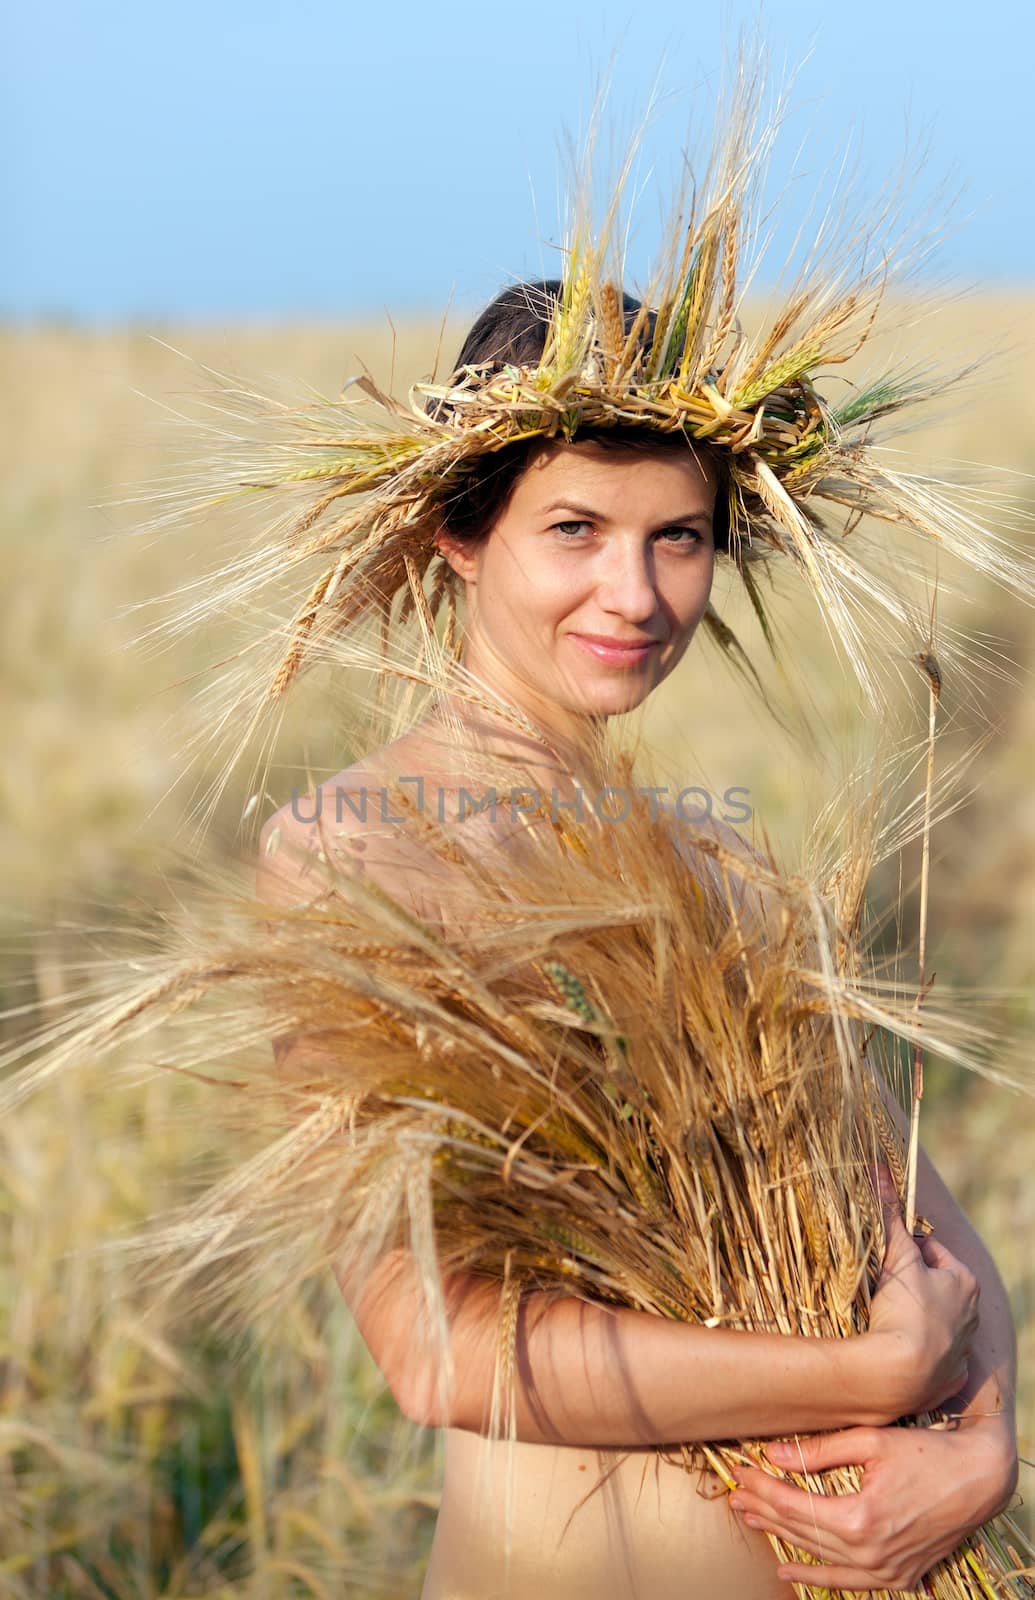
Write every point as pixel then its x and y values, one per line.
pixel 143 1458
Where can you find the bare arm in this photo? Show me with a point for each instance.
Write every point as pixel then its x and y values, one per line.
pixel 990 1390
pixel 595 1375
pixel 923 1489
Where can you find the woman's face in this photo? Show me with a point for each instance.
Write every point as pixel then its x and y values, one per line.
pixel 596 551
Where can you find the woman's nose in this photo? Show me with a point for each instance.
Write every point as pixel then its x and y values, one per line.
pixel 627 585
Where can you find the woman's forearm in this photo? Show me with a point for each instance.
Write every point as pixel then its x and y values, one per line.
pixel 991 1385
pixel 992 1379
pixel 596 1375
pixel 593 1375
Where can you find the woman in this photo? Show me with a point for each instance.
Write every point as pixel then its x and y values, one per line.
pixel 586 567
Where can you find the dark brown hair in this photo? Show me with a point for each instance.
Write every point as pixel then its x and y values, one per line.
pixel 512 329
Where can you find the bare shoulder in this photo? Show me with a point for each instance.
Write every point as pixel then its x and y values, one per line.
pixel 691 840
pixel 688 834
pixel 734 841
pixel 345 824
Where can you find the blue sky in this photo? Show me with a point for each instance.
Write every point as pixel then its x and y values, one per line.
pixel 327 158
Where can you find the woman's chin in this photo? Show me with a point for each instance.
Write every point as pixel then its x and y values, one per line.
pixel 613 699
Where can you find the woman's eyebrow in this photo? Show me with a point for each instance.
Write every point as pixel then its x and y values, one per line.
pixel 598 516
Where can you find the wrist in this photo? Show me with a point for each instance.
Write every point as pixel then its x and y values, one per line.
pixel 995 1432
pixel 992 1438
pixel 874 1379
pixel 987 1402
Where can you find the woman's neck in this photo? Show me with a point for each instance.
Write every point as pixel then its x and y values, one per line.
pixel 548 753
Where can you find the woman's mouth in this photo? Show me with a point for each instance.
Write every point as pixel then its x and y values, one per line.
pixel 615 653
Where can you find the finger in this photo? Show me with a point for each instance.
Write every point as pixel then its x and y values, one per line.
pixel 885 1186
pixel 895 1225
pixel 824 1525
pixel 801 1536
pixel 826 1577
pixel 761 1494
pixel 887 1194
pixel 936 1254
pixel 900 1248
pixel 818 1451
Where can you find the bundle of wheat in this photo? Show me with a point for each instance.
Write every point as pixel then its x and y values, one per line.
pixel 642 1067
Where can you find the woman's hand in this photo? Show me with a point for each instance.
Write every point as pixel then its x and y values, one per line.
pixel 924 1490
pixel 923 1318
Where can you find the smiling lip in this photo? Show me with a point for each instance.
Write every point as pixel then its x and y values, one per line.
pixel 616 652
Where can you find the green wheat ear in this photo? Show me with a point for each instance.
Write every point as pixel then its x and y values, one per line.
pixel 573 992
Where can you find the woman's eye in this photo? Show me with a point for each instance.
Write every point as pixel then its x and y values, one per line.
pixel 689 535
pixel 678 536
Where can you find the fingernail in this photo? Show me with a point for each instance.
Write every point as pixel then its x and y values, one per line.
pixel 736 1502
pixel 778 1451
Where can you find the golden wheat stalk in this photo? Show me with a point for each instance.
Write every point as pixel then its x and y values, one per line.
pixel 932 672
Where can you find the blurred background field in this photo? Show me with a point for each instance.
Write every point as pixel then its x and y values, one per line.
pixel 138 1460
